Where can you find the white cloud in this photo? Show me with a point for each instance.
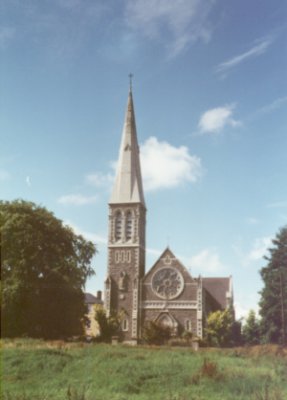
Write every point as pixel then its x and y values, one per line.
pixel 178 22
pixel 77 199
pixel 259 249
pixel 216 119
pixel 4 175
pixel 98 179
pixel 255 51
pixel 93 237
pixel 242 312
pixel 207 260
pixel 166 166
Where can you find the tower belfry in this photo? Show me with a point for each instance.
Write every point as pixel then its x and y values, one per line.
pixel 126 243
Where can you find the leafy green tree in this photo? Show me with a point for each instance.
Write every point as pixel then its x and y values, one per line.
pixel 108 326
pixel 251 329
pixel 219 328
pixel 44 269
pixel 273 302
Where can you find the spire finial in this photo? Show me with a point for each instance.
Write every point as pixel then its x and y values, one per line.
pixel 131 81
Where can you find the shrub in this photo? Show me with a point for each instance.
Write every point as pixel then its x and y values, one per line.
pixel 156 333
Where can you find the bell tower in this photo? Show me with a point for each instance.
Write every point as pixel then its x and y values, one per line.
pixel 126 241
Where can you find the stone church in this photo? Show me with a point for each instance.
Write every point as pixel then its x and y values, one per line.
pixel 167 293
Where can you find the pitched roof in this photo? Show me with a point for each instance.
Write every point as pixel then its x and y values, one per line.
pixel 170 257
pixel 91 299
pixel 219 288
pixel 128 184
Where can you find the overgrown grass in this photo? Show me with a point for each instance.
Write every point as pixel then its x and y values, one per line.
pixel 36 370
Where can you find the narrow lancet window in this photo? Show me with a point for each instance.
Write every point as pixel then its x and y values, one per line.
pixel 118 226
pixel 129 225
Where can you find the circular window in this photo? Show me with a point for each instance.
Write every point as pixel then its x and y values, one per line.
pixel 167 283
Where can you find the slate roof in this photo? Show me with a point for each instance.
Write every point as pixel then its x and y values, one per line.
pixel 91 299
pixel 218 288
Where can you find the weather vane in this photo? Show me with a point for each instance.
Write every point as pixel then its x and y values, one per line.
pixel 131 80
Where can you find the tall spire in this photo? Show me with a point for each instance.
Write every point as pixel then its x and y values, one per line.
pixel 128 184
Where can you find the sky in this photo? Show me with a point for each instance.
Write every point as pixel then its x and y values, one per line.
pixel 210 98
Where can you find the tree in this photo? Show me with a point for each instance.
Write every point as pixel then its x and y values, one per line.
pixel 273 302
pixel 44 269
pixel 108 326
pixel 219 328
pixel 251 329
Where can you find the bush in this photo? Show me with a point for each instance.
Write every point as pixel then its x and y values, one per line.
pixel 156 333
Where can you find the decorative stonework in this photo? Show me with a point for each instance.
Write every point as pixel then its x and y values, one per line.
pixel 167 259
pixel 171 305
pixel 167 283
pixel 199 310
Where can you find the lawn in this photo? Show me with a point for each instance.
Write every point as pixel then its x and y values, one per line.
pixel 37 370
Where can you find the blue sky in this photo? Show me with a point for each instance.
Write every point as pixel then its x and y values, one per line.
pixel 210 98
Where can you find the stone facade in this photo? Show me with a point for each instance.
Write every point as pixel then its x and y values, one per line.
pixel 167 293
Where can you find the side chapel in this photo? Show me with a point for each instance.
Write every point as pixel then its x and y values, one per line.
pixel 167 293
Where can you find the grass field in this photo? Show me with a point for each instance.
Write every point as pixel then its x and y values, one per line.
pixel 36 370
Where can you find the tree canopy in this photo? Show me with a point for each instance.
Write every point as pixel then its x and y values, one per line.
pixel 251 329
pixel 44 269
pixel 219 328
pixel 273 303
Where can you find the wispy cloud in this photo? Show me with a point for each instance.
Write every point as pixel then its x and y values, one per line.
pixel 216 119
pixel 207 260
pixel 4 175
pixel 154 252
pixel 255 51
pixel 252 221
pixel 28 181
pixel 259 249
pixel 166 166
pixel 93 237
pixel 273 106
pixel 61 28
pixel 77 199
pixel 98 179
pixel 177 23
pixel 278 204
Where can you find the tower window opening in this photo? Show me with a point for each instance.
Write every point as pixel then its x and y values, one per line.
pixel 129 225
pixel 118 226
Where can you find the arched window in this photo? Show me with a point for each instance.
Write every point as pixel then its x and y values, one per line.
pixel 118 226
pixel 188 325
pixel 125 325
pixel 129 225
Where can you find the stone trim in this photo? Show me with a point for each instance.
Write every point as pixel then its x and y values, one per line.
pixel 171 305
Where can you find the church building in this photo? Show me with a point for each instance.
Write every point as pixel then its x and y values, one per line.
pixel 167 293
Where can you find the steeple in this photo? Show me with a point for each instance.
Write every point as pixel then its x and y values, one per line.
pixel 128 184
